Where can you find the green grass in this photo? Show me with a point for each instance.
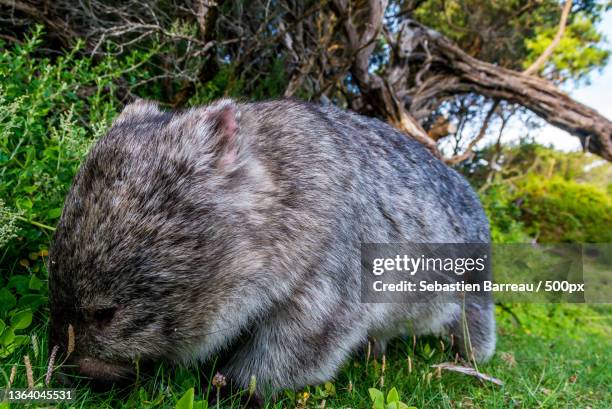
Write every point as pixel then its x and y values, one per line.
pixel 553 356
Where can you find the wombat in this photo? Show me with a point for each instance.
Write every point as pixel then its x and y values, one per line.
pixel 235 228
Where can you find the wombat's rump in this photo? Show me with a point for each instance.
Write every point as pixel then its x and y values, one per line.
pixel 184 232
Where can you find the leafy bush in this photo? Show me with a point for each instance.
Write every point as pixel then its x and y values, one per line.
pixel 50 113
pixel 538 193
pixel 559 210
pixel 228 82
pixel 503 215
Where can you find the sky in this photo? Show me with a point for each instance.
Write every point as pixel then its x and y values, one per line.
pixel 597 95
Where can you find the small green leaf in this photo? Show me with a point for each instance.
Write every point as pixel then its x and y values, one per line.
pixel 330 389
pixel 378 398
pixel 7 337
pixel 7 300
pixel 54 213
pixel 393 396
pixel 375 394
pixel 32 301
pixel 2 326
pixel 30 189
pixel 20 340
pixel 186 401
pixel 19 283
pixel 24 203
pixel 21 320
pixel 200 404
pixel 35 283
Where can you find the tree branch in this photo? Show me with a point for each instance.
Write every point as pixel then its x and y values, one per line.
pixel 37 13
pixel 361 33
pixel 536 94
pixel 483 130
pixel 541 60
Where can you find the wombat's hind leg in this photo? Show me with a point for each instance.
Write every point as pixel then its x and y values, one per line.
pixel 474 331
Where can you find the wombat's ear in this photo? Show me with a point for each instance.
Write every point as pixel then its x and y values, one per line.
pixel 138 110
pixel 223 122
pixel 214 129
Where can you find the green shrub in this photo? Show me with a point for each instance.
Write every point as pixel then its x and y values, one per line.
pixel 538 193
pixel 50 113
pixel 228 83
pixel 504 215
pixel 560 210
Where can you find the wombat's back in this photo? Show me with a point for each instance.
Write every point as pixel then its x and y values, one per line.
pixel 395 189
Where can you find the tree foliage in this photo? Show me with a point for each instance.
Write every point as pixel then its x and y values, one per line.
pixel 432 68
pixel 560 210
pixel 534 193
pixel 50 113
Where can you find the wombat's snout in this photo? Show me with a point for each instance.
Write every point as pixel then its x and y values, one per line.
pixel 72 340
pixel 102 375
pixel 104 371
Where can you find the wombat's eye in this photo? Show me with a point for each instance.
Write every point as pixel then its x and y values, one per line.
pixel 104 315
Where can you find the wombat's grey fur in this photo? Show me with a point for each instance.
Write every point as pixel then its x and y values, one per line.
pixel 237 228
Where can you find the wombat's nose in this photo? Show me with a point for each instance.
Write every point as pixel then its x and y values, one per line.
pixel 104 375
